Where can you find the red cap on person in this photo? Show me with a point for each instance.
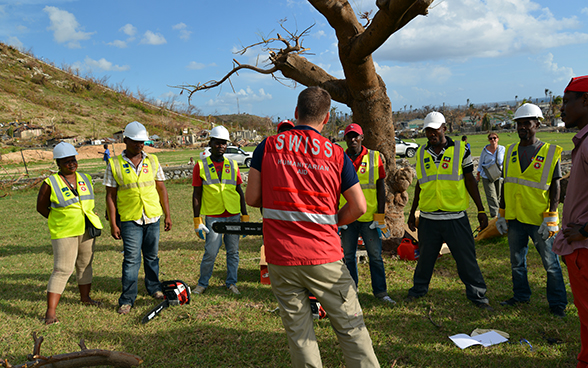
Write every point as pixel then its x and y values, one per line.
pixel 353 128
pixel 285 122
pixel 578 84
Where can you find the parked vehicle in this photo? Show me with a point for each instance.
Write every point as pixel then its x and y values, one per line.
pixel 405 149
pixel 242 157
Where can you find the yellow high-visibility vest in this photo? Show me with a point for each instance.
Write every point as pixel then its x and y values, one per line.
pixel 219 194
pixel 136 193
pixel 67 216
pixel 368 173
pixel 443 187
pixel 526 194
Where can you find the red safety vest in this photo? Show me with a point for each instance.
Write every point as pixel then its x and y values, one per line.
pixel 301 184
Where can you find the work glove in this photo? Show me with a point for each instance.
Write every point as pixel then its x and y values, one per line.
pixel 341 228
pixel 379 223
pixel 501 224
pixel 200 228
pixel 549 225
pixel 244 218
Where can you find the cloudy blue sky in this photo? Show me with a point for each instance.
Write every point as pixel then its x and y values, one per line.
pixel 481 50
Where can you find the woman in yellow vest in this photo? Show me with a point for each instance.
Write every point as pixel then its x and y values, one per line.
pixel 67 200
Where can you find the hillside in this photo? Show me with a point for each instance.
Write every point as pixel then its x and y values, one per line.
pixel 64 104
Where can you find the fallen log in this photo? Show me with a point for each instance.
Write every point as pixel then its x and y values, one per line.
pixel 84 358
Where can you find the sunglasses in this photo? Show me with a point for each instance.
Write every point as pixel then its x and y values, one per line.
pixel 492 138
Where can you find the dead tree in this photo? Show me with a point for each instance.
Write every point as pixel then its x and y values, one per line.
pixel 362 90
pixel 84 358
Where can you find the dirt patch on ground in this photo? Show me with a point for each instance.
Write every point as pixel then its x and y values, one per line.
pixel 84 152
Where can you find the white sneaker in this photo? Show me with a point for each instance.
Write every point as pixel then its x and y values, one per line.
pixel 234 289
pixel 387 299
pixel 199 290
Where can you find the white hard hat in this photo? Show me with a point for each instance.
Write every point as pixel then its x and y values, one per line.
pixel 528 110
pixel 64 149
pixel 220 132
pixel 434 120
pixel 136 131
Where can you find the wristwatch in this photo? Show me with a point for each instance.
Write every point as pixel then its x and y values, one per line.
pixel 582 231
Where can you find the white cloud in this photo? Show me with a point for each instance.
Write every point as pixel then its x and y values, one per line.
pixel 65 27
pixel 151 38
pixel 14 41
pixel 118 43
pixel 129 30
pixel 184 33
pixel 414 74
pixel 244 96
pixel 319 34
pixel 195 65
pixel 561 73
pixel 584 11
pixel 461 29
pixel 105 65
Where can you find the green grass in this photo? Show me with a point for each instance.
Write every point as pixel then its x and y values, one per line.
pixel 220 330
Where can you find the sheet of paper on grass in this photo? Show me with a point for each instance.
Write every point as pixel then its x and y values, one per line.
pixel 486 339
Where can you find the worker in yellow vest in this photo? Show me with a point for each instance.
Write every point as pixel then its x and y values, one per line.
pixel 67 200
pixel 444 172
pixel 135 191
pixel 217 195
pixel 371 173
pixel 529 204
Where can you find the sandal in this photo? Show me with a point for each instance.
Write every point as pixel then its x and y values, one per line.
pixel 51 320
pixel 92 303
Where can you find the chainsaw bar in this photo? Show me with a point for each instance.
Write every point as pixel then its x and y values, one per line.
pixel 155 311
pixel 241 228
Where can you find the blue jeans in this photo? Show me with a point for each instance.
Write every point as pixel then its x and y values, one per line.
pixel 518 241
pixel 211 248
pixel 373 246
pixel 136 239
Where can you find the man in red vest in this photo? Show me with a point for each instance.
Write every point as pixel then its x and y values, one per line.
pixel 297 177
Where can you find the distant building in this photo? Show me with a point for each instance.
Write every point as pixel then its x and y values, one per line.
pixel 54 141
pixel 27 132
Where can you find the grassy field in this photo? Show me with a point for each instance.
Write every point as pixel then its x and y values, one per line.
pixel 220 330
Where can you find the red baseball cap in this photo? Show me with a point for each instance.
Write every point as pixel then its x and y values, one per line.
pixel 285 122
pixel 578 84
pixel 353 128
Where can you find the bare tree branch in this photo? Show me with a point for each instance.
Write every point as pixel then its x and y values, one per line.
pixel 392 16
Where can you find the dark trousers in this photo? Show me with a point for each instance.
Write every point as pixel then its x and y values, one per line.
pixel 458 236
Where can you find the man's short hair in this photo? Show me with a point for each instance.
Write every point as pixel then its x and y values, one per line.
pixel 313 104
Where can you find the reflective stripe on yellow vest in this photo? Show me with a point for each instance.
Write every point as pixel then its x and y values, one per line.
pixel 368 174
pixel 526 194
pixel 221 194
pixel 67 217
pixel 136 193
pixel 442 188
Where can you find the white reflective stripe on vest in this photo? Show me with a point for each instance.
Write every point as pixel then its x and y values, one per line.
pixel 455 169
pixel 210 181
pixel 371 182
pixel 61 199
pixel 293 216
pixel 543 184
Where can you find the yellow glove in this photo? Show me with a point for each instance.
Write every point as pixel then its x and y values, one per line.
pixel 549 225
pixel 244 218
pixel 200 228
